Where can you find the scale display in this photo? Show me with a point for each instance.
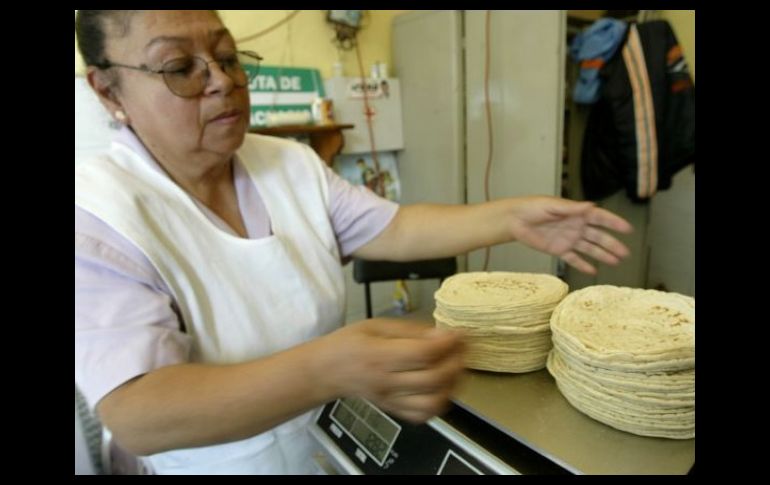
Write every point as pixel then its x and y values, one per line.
pixel 374 431
pixel 357 437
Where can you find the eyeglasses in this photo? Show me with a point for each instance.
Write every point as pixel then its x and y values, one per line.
pixel 187 77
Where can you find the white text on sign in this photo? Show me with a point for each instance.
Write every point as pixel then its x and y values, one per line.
pixel 269 83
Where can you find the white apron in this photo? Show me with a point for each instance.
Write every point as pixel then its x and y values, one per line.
pixel 240 299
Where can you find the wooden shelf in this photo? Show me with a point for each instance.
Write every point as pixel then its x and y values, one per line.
pixel 288 130
pixel 326 140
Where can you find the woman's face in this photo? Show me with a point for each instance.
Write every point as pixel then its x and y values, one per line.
pixel 213 122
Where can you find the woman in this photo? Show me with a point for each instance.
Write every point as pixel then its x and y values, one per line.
pixel 209 295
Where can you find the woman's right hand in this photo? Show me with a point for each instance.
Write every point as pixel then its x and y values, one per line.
pixel 405 368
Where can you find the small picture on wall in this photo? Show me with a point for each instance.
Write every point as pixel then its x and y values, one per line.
pixel 359 169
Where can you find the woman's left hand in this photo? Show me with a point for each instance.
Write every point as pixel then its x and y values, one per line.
pixel 569 230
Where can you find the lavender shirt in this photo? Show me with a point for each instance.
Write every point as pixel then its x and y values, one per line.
pixel 126 321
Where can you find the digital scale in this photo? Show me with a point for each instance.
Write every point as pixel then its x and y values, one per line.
pixel 358 438
pixel 498 424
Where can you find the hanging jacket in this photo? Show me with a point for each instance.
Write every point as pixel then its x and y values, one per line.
pixel 642 129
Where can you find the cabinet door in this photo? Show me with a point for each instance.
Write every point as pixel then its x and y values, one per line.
pixel 427 56
pixel 428 59
pixel 526 90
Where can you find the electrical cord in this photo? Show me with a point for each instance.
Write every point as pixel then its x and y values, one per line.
pixel 490 144
pixel 269 29
pixel 369 113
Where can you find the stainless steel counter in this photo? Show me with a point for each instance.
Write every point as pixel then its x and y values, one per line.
pixel 530 408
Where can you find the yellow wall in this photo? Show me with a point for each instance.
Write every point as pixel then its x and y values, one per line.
pixel 306 41
pixel 586 14
pixel 683 23
pixel 78 61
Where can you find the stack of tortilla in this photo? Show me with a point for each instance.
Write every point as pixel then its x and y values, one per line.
pixel 505 317
pixel 626 357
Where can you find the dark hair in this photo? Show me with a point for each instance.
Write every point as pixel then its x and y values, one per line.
pixel 91 27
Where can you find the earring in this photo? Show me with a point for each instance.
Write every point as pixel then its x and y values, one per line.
pixel 120 116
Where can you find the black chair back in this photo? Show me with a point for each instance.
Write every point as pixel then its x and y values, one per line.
pixel 367 272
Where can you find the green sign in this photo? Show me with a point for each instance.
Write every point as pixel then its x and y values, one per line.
pixel 278 89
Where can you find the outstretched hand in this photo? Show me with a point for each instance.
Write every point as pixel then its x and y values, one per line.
pixel 570 230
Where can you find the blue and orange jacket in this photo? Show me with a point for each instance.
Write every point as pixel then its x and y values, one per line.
pixel 641 131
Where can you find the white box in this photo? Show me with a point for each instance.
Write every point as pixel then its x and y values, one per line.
pixel 385 102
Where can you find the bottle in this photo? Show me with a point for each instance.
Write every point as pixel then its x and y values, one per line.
pixel 323 112
pixel 382 70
